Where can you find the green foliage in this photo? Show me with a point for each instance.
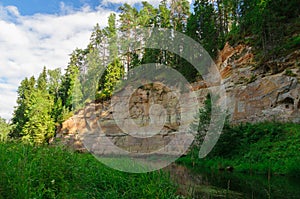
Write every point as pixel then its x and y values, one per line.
pixel 114 74
pixel 41 83
pixel 147 15
pixel 201 127
pixel 180 11
pixel 40 125
pixel 4 130
pixel 54 82
pixel 33 121
pixel 202 26
pixel 52 172
pixel 72 86
pixel 25 91
pixel 290 73
pixel 266 147
pixel 269 21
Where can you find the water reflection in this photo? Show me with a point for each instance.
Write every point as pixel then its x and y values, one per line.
pixel 200 183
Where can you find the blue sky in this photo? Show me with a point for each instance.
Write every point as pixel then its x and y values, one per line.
pixel 38 33
pixel 31 7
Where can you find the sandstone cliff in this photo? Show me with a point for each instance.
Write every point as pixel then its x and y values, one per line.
pixel 253 93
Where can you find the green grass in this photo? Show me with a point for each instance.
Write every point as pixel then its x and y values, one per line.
pixel 266 148
pixel 53 172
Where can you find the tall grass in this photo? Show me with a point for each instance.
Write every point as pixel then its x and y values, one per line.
pixel 53 172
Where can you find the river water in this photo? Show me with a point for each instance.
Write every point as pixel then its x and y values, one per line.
pixel 198 183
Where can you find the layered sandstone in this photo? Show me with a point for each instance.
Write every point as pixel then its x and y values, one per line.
pixel 253 95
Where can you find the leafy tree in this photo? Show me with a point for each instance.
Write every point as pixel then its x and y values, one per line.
pixel 54 82
pixel 96 37
pixel 4 130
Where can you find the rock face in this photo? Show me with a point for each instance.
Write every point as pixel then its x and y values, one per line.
pixel 252 96
pixel 255 96
pixel 144 121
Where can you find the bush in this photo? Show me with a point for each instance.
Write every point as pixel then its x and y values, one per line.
pixel 267 147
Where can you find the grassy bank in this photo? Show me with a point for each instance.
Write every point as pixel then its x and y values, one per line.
pixel 52 172
pixel 267 148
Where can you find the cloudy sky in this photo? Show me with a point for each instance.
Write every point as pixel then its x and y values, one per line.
pixel 38 33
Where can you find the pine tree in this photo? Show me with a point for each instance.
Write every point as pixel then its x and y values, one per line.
pixel 40 126
pixel 115 72
pixel 164 15
pixel 180 11
pixel 19 119
pixel 129 20
pixel 54 87
pixel 71 90
pixel 147 15
pixel 111 33
pixel 42 80
pixel 202 26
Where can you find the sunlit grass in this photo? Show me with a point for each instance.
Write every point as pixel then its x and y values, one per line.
pixel 53 172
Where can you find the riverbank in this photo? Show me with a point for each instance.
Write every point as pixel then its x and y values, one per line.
pixel 263 148
pixel 199 183
pixel 54 172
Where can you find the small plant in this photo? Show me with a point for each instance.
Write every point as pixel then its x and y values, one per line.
pixel 252 78
pixel 289 72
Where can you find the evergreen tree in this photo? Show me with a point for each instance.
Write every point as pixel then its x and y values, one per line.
pixel 19 119
pixel 180 11
pixel 94 82
pixel 71 90
pixel 111 33
pixel 4 130
pixel 40 126
pixel 115 72
pixel 54 86
pixel 202 26
pixel 128 20
pixel 42 80
pixel 147 15
pixel 54 82
pixel 164 15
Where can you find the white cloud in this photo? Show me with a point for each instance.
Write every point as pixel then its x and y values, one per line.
pixel 13 10
pixel 27 43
